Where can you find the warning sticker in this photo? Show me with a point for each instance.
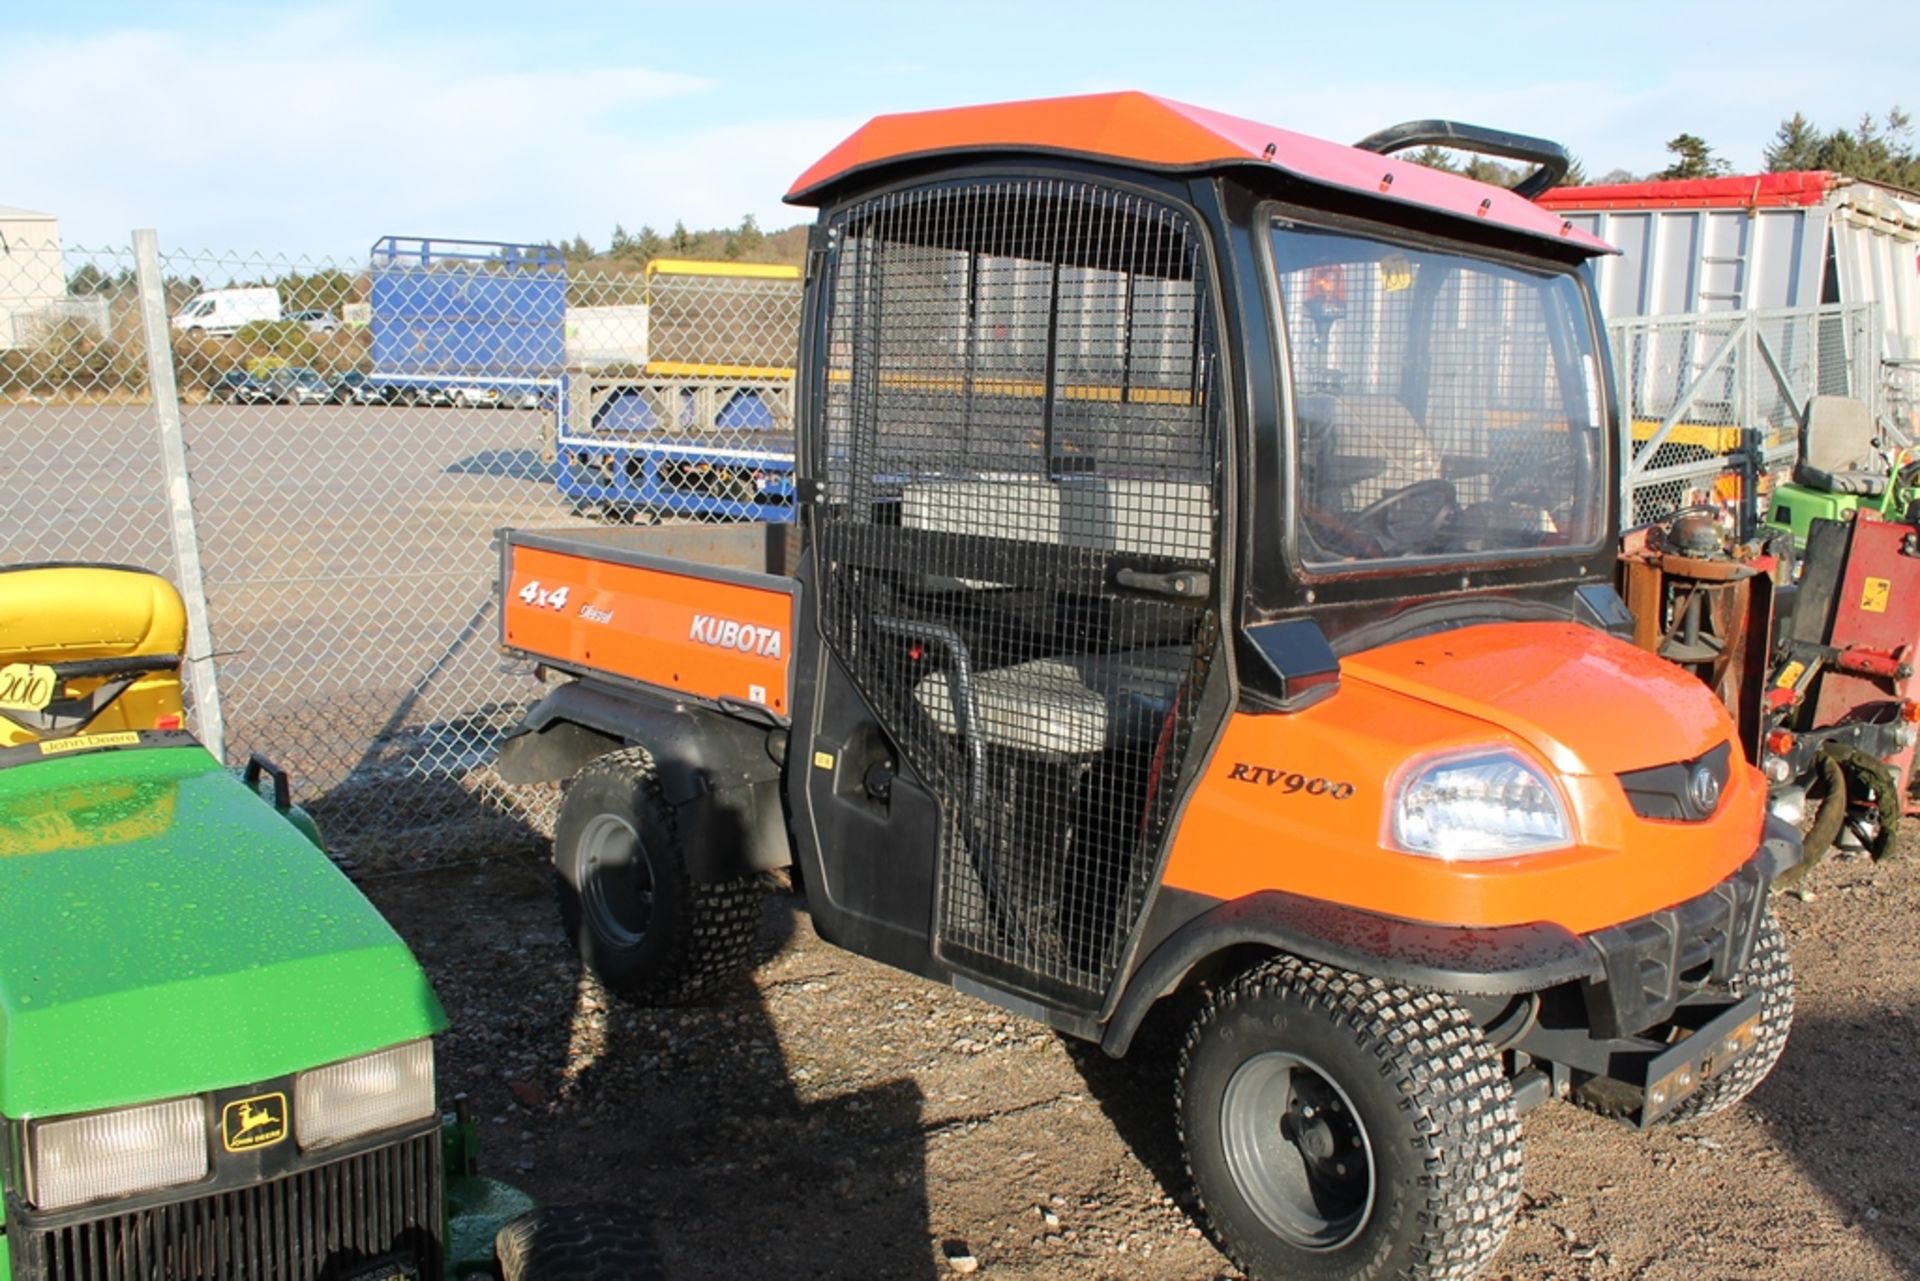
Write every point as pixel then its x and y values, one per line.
pixel 1873 596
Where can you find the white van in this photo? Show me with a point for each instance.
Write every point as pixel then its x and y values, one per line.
pixel 222 311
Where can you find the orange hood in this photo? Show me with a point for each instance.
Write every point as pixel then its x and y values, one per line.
pixel 1588 703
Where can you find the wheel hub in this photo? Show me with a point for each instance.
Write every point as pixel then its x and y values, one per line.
pixel 1297 1151
pixel 616 879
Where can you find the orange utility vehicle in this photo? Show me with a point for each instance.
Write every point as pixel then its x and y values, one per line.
pixel 1202 588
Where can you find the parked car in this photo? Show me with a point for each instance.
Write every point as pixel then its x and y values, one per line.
pixel 225 311
pixel 238 387
pixel 473 397
pixel 317 319
pixel 298 385
pixel 352 388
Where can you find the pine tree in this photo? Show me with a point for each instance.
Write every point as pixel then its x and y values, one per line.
pixel 1693 158
pixel 1795 146
pixel 1874 150
pixel 1434 158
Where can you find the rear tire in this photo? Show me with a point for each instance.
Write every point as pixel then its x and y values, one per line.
pixel 1337 1126
pixel 1769 971
pixel 642 924
pixel 576 1243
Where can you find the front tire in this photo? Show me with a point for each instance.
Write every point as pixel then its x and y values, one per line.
pixel 1337 1126
pixel 1769 971
pixel 642 924
pixel 575 1243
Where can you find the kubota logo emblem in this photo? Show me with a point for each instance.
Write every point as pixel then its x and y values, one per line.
pixel 725 633
pixel 258 1122
pixel 1704 789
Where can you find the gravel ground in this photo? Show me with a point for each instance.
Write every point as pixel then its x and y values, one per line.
pixel 839 1119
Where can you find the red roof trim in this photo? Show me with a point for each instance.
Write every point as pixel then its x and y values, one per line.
pixel 1159 133
pixel 1750 191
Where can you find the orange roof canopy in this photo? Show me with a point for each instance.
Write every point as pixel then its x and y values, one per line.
pixel 1158 133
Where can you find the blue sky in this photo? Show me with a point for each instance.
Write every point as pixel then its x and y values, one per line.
pixel 312 129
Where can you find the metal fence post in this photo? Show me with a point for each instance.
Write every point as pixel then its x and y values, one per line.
pixel 1752 433
pixel 201 676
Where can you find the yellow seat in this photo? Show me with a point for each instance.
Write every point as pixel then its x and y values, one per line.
pixel 88 649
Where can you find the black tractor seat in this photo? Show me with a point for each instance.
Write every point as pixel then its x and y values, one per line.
pixel 1838 456
pixel 1864 483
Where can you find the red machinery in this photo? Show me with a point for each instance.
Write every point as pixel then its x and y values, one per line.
pixel 1820 675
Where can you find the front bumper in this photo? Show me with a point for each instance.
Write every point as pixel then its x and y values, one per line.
pixel 1649 966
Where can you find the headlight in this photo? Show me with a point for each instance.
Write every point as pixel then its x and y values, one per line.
pixel 358 1096
pixel 1479 805
pixel 113 1154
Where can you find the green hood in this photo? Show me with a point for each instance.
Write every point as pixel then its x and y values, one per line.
pixel 163 931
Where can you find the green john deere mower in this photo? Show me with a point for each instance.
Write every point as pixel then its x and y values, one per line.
pixel 216 1058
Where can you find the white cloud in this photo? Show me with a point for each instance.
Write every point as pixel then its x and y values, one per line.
pixel 309 131
pixel 300 135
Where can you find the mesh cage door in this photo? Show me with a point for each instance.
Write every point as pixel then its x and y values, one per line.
pixel 1020 444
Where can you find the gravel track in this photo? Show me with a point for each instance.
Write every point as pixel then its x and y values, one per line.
pixel 839 1119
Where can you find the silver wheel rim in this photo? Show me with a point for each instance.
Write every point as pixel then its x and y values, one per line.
pixel 616 880
pixel 1298 1151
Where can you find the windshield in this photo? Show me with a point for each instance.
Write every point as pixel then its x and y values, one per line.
pixel 1443 405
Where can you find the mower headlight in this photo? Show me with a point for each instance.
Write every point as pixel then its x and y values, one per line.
pixel 1474 805
pixel 359 1096
pixel 74 1160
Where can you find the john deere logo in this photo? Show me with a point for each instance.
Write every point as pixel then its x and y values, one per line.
pixel 258 1122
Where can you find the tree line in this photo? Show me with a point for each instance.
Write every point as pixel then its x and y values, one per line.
pixel 628 252
pixel 1874 149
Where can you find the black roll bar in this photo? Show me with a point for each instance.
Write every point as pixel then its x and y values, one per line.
pixel 1551 157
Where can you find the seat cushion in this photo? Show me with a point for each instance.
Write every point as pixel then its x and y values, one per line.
pixel 1071 705
pixel 1867 484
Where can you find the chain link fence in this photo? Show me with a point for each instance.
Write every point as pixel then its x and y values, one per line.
pixel 1901 408
pixel 78 450
pixel 354 433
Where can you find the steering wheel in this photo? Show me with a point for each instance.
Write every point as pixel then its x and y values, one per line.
pixel 115 676
pixel 1410 518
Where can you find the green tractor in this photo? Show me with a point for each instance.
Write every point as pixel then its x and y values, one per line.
pixel 216 1058
pixel 1840 472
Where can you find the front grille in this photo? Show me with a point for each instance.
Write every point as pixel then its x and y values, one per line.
pixel 321 1224
pixel 1668 792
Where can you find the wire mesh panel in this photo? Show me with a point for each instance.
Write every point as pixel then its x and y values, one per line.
pixel 1020 448
pixel 77 443
pixel 1718 400
pixel 1901 399
pixel 697 419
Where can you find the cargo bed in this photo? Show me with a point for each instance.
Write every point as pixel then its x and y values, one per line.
pixel 691 611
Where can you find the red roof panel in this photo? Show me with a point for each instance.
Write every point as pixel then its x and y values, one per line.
pixel 1159 133
pixel 1748 191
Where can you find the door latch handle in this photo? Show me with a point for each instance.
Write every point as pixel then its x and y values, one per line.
pixel 1182 584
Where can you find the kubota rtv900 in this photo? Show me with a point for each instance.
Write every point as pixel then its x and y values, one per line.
pixel 1201 584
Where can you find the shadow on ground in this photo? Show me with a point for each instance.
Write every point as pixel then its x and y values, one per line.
pixel 1842 1105
pixel 693 1119
pixel 508 464
pixel 848 1170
